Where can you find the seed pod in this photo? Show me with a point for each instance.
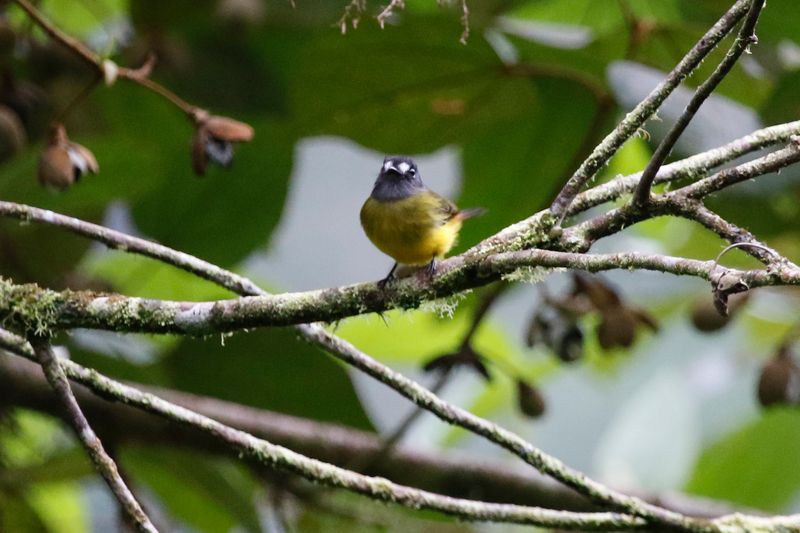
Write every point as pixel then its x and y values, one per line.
pixel 12 133
pixel 558 330
pixel 707 319
pixel 214 139
pixel 62 162
pixel 619 320
pixel 570 344
pixel 529 400
pixel 779 382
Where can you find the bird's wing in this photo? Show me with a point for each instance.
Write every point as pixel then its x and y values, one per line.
pixel 445 209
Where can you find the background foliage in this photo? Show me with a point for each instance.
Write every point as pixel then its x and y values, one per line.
pixel 500 123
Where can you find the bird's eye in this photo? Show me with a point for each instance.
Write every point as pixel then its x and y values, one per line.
pixel 412 171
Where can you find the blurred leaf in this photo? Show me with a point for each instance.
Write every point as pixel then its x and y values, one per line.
pixel 224 215
pixel 68 465
pixel 207 494
pixel 60 506
pixel 271 369
pixel 408 89
pixel 412 336
pixel 783 104
pixel 755 466
pixel 17 514
pixel 517 166
pixel 631 158
pixel 79 19
pixel 141 276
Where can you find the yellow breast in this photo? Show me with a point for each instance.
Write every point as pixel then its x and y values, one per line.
pixel 413 230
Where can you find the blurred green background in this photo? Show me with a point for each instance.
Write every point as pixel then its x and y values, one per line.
pixel 500 122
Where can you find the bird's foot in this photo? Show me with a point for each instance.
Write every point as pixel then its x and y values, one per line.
pixel 430 269
pixel 389 277
pixel 385 281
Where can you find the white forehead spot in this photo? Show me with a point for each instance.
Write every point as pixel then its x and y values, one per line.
pixel 387 164
pixel 403 167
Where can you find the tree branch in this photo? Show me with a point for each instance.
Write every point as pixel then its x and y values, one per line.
pixel 694 167
pixel 645 109
pixel 35 309
pixel 54 373
pixel 744 40
pixel 275 456
pixel 422 397
pixel 31 308
pixel 104 67
pixel 450 473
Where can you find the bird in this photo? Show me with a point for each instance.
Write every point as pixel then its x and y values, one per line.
pixel 409 222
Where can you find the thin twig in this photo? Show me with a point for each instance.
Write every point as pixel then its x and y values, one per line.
pixel 634 120
pixel 744 40
pixel 77 99
pixel 55 375
pixel 694 167
pixel 441 382
pixel 272 455
pixel 741 245
pixel 732 233
pixel 450 472
pixel 389 10
pixel 347 353
pixel 99 65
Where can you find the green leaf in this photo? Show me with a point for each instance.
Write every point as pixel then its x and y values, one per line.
pixel 135 275
pixel 411 88
pixel 756 466
pixel 17 514
pixel 518 165
pixel 271 369
pixel 208 494
pixel 224 215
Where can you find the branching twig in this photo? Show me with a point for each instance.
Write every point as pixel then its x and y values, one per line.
pixel 389 10
pixel 419 395
pixel 104 67
pixel 634 120
pixel 276 456
pixel 55 375
pixel 450 472
pixel 694 167
pixel 444 378
pixel 744 40
pixel 28 306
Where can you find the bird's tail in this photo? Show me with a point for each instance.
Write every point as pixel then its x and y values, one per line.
pixel 472 212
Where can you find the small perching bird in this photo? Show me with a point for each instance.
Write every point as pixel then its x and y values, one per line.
pixel 409 222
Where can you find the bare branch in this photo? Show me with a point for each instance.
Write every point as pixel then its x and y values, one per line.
pixel 694 167
pixel 54 373
pixel 634 120
pixel 389 10
pixel 744 40
pixel 422 397
pixel 275 456
pixel 103 67
pixel 457 273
